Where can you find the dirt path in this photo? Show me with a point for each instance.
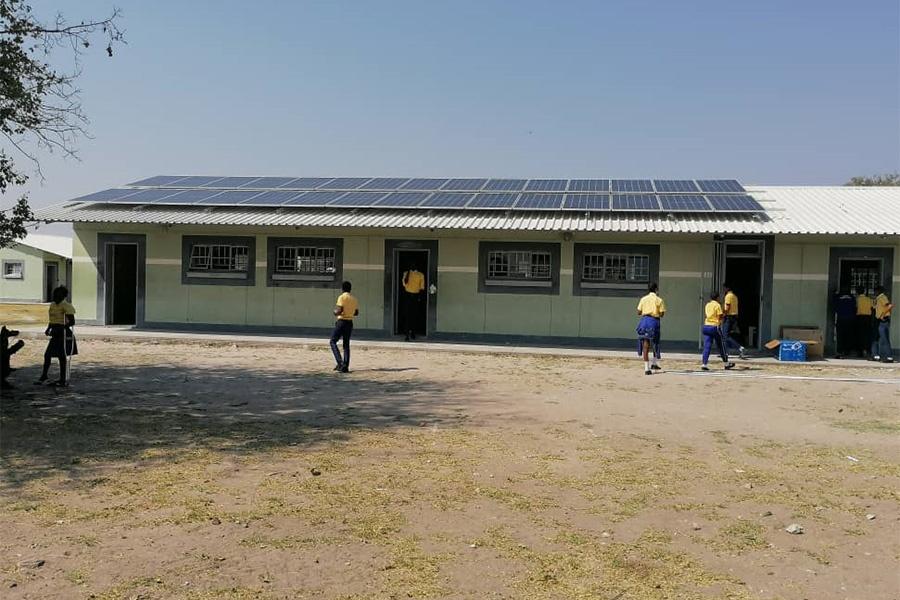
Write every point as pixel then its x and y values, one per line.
pixel 211 471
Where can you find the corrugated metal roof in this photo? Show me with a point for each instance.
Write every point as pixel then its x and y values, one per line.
pixel 54 244
pixel 789 210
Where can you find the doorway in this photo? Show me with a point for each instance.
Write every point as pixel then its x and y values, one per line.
pixel 855 267
pixel 51 280
pixel 400 310
pixel 121 284
pixel 741 264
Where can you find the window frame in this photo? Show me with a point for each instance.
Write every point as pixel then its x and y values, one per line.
pixel 614 289
pixel 14 261
pixel 217 276
pixel 304 280
pixel 486 285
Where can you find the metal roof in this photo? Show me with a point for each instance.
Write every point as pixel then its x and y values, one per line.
pixel 54 244
pixel 789 210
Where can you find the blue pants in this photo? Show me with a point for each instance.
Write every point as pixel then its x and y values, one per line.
pixel 648 329
pixel 343 328
pixel 729 325
pixel 881 346
pixel 712 335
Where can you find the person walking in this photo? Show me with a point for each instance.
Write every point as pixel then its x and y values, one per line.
pixel 411 302
pixel 881 347
pixel 865 322
pixel 714 315
pixel 651 309
pixel 62 343
pixel 844 322
pixel 730 326
pixel 345 309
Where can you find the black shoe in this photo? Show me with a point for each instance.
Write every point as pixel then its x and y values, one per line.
pixel 60 383
pixel 337 368
pixel 648 372
pixel 729 366
pixel 41 380
pixel 887 360
pixel 345 369
pixel 656 368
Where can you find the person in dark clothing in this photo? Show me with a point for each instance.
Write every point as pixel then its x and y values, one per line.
pixel 865 322
pixel 6 352
pixel 845 322
pixel 413 295
pixel 59 330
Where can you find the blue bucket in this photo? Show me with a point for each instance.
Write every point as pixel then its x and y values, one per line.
pixel 792 351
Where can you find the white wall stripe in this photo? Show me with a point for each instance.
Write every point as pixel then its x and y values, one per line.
pixel 684 274
pixel 801 276
pixel 362 267
pixel 164 261
pixel 449 269
pixel 567 272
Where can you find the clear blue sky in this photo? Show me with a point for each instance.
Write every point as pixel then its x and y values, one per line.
pixel 771 91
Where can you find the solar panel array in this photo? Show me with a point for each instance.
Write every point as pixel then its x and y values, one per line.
pixel 618 195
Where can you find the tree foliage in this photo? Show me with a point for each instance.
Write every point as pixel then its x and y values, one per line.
pixel 887 179
pixel 40 108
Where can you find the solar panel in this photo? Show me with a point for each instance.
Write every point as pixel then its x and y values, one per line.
pixel 540 201
pixel 675 185
pixel 631 185
pixel 268 182
pixel 231 197
pixel 464 185
pixel 229 182
pixel 424 184
pixel 359 199
pixel 345 183
pixel 386 183
pixel 635 202
pixel 734 203
pixel 313 198
pixel 273 198
pixel 493 201
pixel 189 196
pixel 589 185
pixel 112 195
pixel 684 202
pixel 505 185
pixel 546 185
pixel 306 183
pixel 720 186
pixel 586 202
pixel 152 195
pixel 159 180
pixel 402 199
pixel 197 180
pixel 447 200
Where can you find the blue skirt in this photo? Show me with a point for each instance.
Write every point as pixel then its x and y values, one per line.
pixel 648 329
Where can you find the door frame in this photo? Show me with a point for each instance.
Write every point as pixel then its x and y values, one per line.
pixel 48 297
pixel 836 255
pixel 104 291
pixel 767 267
pixel 391 248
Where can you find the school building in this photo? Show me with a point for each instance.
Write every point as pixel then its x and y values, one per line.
pixel 32 268
pixel 541 260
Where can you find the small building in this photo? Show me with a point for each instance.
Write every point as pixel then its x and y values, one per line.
pixel 540 260
pixel 32 268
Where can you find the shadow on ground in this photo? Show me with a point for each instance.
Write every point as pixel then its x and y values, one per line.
pixel 114 414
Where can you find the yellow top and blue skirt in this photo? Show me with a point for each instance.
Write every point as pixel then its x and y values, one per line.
pixel 651 309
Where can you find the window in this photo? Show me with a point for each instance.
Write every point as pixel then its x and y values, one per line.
pixel 13 269
pixel 304 262
pixel 518 268
pixel 214 260
pixel 614 269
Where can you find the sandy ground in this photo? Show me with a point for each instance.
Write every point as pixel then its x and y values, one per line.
pixel 177 470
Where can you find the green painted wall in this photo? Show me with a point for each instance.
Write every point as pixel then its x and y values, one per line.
pixel 31 287
pixel 686 262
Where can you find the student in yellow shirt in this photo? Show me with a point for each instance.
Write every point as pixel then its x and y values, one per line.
pixel 412 299
pixel 62 342
pixel 865 323
pixel 714 315
pixel 730 326
pixel 881 347
pixel 346 307
pixel 651 309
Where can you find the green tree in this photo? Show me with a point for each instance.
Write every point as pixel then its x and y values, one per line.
pixel 40 108
pixel 890 179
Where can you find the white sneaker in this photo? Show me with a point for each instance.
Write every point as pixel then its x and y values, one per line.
pixel 741 354
pixel 704 368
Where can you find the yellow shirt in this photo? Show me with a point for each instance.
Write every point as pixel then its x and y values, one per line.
pixel 864 306
pixel 651 305
pixel 714 313
pixel 731 304
pixel 413 282
pixel 59 311
pixel 350 305
pixel 881 307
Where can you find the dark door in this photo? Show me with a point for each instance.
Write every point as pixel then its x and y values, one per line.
pixel 51 280
pixel 122 283
pixel 410 310
pixel 743 263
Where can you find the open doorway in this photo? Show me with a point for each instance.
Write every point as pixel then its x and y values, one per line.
pixel 399 255
pixel 862 268
pixel 741 266
pixel 51 280
pixel 121 284
pixel 411 304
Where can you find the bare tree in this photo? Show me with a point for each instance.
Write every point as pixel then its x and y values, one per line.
pixel 40 107
pixel 888 179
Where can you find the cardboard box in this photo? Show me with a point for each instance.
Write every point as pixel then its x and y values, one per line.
pixel 815 349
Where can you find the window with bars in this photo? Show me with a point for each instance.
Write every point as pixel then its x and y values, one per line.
pixel 518 267
pixel 13 269
pixel 515 265
pixel 223 258
pixel 305 260
pixel 218 260
pixel 615 268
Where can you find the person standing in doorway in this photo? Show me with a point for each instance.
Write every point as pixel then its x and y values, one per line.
pixel 864 322
pixel 651 309
pixel 730 324
pixel 411 303
pixel 712 333
pixel 844 322
pixel 881 347
pixel 345 309
pixel 59 329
